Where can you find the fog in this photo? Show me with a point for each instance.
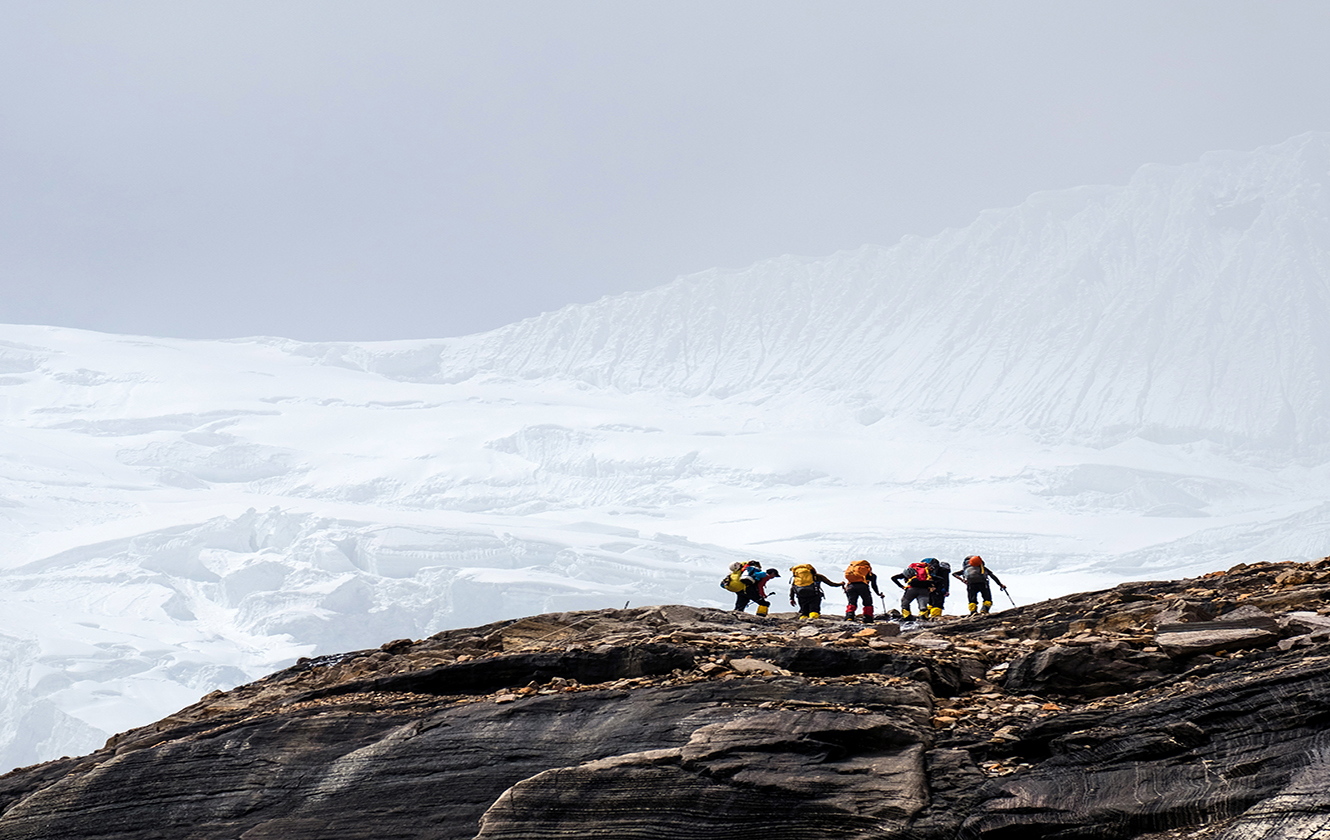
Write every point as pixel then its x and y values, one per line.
pixel 360 171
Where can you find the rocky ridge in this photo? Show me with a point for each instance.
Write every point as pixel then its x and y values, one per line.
pixel 1194 708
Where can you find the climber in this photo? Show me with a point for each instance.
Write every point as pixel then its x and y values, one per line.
pixel 976 575
pixel 858 578
pixel 733 580
pixel 918 586
pixel 806 586
pixel 763 603
pixel 940 573
pixel 755 585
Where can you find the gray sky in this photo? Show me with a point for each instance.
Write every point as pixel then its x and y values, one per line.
pixel 373 170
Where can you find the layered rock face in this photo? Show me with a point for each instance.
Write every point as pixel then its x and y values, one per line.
pixel 1196 708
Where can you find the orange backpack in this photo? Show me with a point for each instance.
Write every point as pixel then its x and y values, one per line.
pixel 858 571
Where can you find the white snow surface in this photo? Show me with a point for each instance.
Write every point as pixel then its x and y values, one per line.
pixel 1102 384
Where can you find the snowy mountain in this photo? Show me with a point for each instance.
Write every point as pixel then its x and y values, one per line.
pixel 1102 383
pixel 1184 306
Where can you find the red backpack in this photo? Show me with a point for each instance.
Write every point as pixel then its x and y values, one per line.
pixel 917 573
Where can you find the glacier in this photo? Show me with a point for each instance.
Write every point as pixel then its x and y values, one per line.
pixel 1103 383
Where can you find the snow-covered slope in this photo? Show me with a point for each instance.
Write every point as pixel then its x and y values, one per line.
pixel 1187 305
pixel 1100 383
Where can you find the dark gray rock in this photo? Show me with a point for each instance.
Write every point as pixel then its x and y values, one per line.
pixel 1301 811
pixel 1213 751
pixel 1086 671
pixel 1307 622
pixel 1182 644
pixel 634 723
pixel 750 776
pixel 945 678
pixel 484 676
pixel 338 771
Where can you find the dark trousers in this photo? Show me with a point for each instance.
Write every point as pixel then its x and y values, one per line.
pixel 856 591
pixel 809 598
pixel 751 593
pixel 979 587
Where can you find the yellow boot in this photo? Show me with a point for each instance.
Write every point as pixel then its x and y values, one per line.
pixel 761 610
pixel 935 612
pixel 813 615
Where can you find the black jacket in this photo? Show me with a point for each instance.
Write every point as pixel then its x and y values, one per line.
pixel 818 579
pixel 900 579
pixel 980 571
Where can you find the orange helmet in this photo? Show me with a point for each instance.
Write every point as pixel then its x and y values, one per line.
pixel 974 560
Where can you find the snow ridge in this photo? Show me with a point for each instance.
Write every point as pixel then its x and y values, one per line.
pixel 1184 306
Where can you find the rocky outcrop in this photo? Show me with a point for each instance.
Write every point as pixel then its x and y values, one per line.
pixel 1159 710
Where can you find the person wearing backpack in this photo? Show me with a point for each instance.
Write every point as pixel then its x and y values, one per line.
pixel 806 586
pixel 754 582
pixel 976 575
pixel 918 585
pixel 940 574
pixel 858 578
pixel 733 581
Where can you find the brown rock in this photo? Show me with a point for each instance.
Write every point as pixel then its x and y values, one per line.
pixel 746 665
pixel 1295 577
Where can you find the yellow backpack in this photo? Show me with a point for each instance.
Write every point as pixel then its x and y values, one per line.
pixel 858 571
pixel 733 583
pixel 804 575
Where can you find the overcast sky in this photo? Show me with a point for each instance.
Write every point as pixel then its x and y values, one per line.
pixel 374 170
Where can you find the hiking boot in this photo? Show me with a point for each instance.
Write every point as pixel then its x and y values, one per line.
pixel 814 615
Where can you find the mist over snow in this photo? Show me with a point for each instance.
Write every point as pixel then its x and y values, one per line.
pixel 1101 384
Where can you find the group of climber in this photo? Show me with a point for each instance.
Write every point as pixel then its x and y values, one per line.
pixel 925 586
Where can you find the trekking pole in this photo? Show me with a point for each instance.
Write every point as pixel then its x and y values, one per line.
pixel 1008 594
